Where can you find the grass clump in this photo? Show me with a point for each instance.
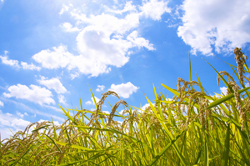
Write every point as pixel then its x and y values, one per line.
pixel 193 128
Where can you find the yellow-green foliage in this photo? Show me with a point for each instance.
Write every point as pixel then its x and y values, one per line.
pixel 193 128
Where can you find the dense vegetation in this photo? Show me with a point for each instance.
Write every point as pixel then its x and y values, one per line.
pixel 193 128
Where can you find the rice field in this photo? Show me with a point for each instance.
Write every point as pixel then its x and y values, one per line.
pixel 193 128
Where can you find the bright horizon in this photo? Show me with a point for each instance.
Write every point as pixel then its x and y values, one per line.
pixel 51 52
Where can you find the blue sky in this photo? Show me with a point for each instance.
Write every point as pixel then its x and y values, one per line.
pixel 51 52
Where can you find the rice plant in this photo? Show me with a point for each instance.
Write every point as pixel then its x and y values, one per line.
pixel 192 128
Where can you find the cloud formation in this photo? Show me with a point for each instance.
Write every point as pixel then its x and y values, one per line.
pixel 8 120
pixel 10 62
pixel 1 104
pixel 15 63
pixel 33 93
pixel 100 88
pixel 124 90
pixel 219 23
pixel 53 83
pixel 92 101
pixel 104 40
pixel 154 9
pixel 68 27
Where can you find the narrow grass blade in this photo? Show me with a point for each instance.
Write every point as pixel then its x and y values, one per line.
pixel 225 82
pixel 202 89
pixel 165 149
pixel 23 155
pixel 40 128
pixel 199 156
pixel 190 73
pixel 54 143
pixel 225 156
pixel 223 99
pixel 93 98
pixel 55 134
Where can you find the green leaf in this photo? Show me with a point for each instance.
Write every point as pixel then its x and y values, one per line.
pixel 202 89
pixel 223 99
pixel 225 156
pixel 225 82
pixel 165 149
pixel 190 73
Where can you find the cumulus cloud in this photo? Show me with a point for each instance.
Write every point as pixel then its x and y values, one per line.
pixel 128 7
pixel 73 76
pixel 154 9
pixel 92 101
pixel 7 120
pixel 64 8
pixel 124 90
pixel 100 88
pixel 62 99
pixel 88 102
pixel 139 41
pixel 69 28
pixel 217 23
pixel 1 104
pixel 58 58
pixel 223 90
pixel 9 62
pixel 53 83
pixel 31 66
pixel 103 40
pixel 15 63
pixel 34 94
pixel 20 114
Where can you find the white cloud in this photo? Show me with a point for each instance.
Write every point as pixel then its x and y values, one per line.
pixel 88 102
pixel 20 114
pixel 10 62
pixel 68 27
pixel 2 1
pixel 1 104
pixel 30 66
pixel 9 121
pixel 92 102
pixel 128 7
pixel 102 41
pixel 100 88
pixel 53 83
pixel 58 58
pixel 26 114
pixel 154 9
pixel 62 99
pixel 139 41
pixel 215 22
pixel 64 9
pixel 124 90
pixel 223 90
pixel 34 94
pixel 73 76
pixel 15 63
